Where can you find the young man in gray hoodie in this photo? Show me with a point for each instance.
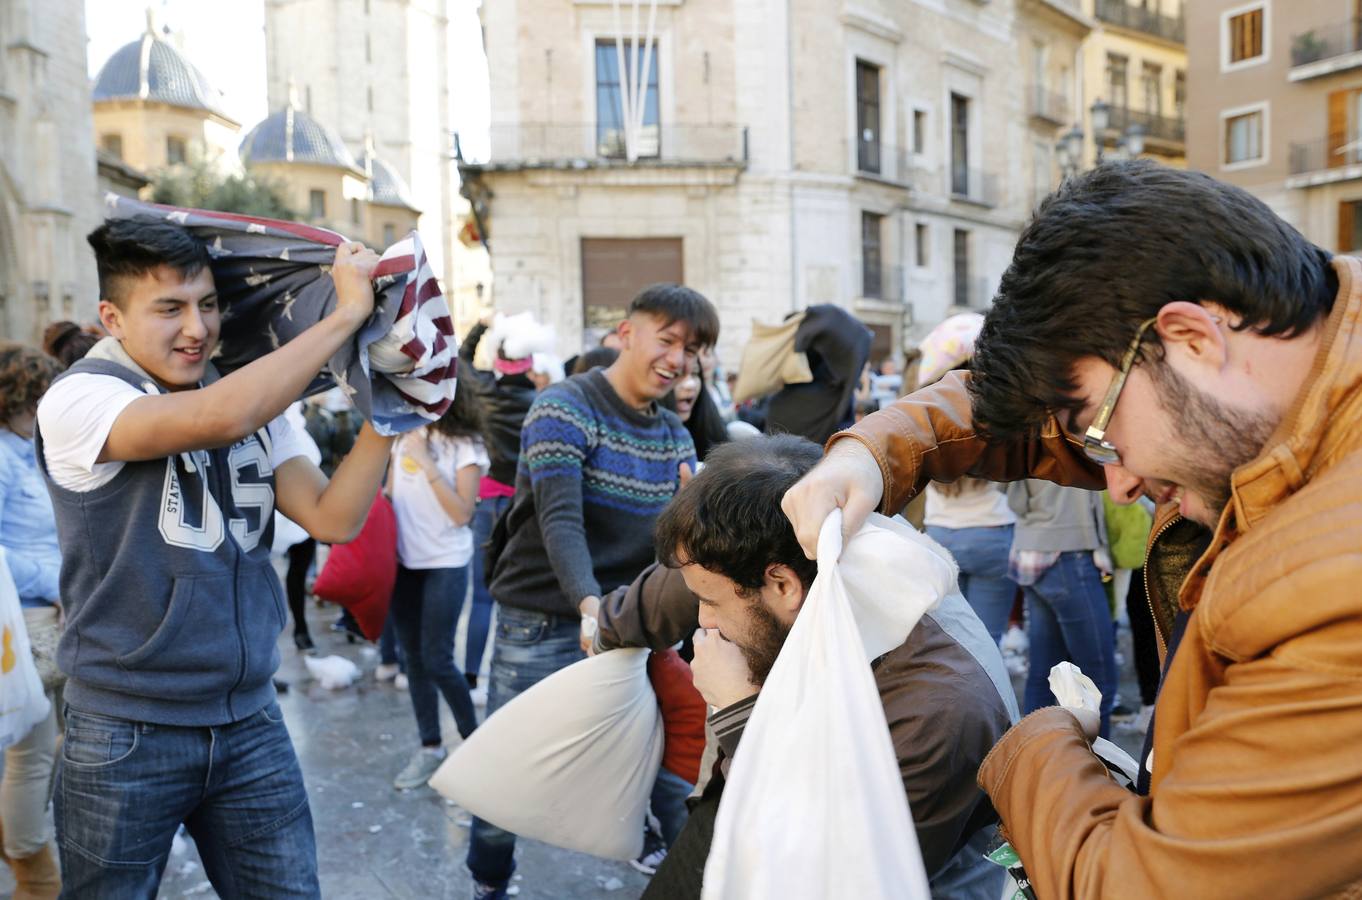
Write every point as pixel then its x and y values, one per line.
pixel 165 479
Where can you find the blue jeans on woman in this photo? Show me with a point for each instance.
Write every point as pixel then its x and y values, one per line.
pixel 480 616
pixel 1067 618
pixel 529 647
pixel 425 612
pixel 982 556
pixel 124 787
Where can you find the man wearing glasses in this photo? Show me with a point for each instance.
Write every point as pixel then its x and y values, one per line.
pixel 1170 336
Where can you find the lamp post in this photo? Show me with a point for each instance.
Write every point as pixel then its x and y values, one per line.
pixel 1069 148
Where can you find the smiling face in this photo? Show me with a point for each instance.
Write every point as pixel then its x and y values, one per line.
pixel 1177 441
pixel 685 395
pixel 656 356
pixel 757 622
pixel 167 323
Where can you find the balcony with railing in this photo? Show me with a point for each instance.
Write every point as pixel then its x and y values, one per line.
pixel 529 145
pixel 1147 21
pixel 1324 51
pixel 881 283
pixel 1325 160
pixel 1050 107
pixel 1166 133
pixel 881 162
pixel 974 186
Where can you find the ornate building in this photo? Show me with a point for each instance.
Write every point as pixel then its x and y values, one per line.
pixel 48 199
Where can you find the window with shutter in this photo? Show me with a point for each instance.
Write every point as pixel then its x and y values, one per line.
pixel 1246 35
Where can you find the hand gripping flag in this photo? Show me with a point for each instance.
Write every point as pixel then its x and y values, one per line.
pixel 273 281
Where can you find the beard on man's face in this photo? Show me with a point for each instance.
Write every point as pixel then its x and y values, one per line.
pixel 766 635
pixel 1213 439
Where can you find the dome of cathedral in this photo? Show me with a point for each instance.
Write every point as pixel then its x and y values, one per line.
pixel 385 185
pixel 291 135
pixel 150 68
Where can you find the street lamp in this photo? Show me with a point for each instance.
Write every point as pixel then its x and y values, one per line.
pixel 1069 147
pixel 1135 140
pixel 1101 116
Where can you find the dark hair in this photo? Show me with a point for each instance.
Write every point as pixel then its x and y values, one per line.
pixel 464 416
pixel 678 303
pixel 25 375
pixel 728 518
pixel 1107 251
pixel 67 342
pixel 596 356
pixel 130 248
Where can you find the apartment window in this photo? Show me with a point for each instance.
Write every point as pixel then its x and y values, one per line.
pixel 1151 80
pixel 1344 140
pixel 1246 35
pixel 354 210
pixel 1349 226
pixel 389 234
pixel 1244 137
pixel 112 143
pixel 1180 94
pixel 610 100
pixel 921 253
pixel 919 131
pixel 867 117
pixel 175 150
pixel 962 293
pixel 959 145
pixel 316 204
pixel 872 260
pixel 1117 66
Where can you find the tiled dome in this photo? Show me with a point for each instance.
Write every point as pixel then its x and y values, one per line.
pixel 385 185
pixel 152 69
pixel 291 135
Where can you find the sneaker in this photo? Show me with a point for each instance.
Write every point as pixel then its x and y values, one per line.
pixel 1120 712
pixel 1139 724
pixel 648 863
pixel 400 682
pixel 488 892
pixel 387 671
pixel 422 765
pixel 479 695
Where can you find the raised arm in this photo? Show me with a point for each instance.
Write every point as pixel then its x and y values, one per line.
pixel 333 511
pixel 238 404
pixel 890 455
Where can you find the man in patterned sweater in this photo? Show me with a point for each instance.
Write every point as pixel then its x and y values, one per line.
pixel 599 459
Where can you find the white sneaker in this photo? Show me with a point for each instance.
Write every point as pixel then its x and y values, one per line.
pixel 648 864
pixel 400 681
pixel 479 695
pixel 419 768
pixel 1014 641
pixel 386 671
pixel 1139 724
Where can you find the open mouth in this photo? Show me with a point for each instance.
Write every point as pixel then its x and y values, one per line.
pixel 190 354
pixel 667 375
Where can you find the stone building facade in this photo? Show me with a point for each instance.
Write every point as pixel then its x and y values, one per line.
pixel 793 152
pixel 48 199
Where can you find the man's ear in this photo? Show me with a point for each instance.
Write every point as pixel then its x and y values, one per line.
pixel 111 317
pixel 1194 331
pixel 784 592
pixel 625 330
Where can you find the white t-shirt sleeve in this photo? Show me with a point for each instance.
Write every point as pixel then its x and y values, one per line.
pixel 287 442
pixel 466 452
pixel 75 416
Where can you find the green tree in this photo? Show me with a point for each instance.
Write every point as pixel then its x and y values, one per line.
pixel 200 185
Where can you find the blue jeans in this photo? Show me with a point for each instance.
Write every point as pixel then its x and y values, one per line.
pixel 480 616
pixel 968 875
pixel 389 654
pixel 425 613
pixel 982 556
pixel 668 802
pixel 529 647
pixel 123 788
pixel 1067 618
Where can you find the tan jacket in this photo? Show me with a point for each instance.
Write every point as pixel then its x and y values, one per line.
pixel 1257 762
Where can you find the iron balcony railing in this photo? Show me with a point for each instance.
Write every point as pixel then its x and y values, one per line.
pixel 1333 152
pixel 1159 127
pixel 881 161
pixel 1048 105
pixel 1149 21
pixel 882 283
pixel 974 186
pixel 556 142
pixel 1326 43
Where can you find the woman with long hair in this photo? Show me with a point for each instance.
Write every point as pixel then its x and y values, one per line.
pixel 434 484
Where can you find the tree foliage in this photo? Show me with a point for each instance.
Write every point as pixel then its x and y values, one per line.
pixel 202 185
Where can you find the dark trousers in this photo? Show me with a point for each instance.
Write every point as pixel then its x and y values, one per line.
pixel 425 611
pixel 300 557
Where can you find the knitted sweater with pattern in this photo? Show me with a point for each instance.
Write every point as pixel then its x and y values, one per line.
pixel 594 474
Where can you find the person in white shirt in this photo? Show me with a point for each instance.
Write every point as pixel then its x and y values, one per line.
pixel 433 482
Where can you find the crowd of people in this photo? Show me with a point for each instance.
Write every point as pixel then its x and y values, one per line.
pixel 1142 432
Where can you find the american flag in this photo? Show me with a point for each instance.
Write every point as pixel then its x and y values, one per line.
pixel 273 281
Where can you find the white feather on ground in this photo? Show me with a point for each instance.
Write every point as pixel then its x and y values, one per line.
pixel 334 672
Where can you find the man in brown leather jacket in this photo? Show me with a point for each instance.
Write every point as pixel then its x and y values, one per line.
pixel 1172 334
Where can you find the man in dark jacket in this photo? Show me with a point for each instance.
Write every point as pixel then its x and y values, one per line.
pixel 732 566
